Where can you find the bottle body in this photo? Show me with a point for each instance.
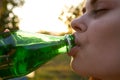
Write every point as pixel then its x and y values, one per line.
pixel 23 52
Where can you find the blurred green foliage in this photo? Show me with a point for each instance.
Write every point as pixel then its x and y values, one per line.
pixel 8 20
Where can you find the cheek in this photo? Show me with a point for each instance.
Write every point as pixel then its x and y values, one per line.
pixel 105 27
pixel 104 31
pixel 104 40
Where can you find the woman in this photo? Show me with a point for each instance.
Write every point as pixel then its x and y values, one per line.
pixel 97 38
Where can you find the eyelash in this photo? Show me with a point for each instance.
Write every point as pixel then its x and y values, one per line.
pixel 99 12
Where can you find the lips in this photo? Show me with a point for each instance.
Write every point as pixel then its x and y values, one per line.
pixel 74 51
pixel 76 48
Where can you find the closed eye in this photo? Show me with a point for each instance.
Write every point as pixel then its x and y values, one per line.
pixel 99 12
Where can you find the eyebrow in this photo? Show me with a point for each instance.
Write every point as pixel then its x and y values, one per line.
pixel 93 2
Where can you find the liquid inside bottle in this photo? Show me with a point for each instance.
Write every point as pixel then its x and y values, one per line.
pixel 22 53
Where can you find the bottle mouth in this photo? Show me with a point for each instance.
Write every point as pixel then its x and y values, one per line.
pixel 70 40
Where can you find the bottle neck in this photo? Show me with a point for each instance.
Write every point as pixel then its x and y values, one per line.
pixel 70 41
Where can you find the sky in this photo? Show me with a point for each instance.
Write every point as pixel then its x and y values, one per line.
pixel 38 15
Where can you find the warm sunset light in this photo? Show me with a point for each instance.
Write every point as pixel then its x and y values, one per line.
pixel 38 15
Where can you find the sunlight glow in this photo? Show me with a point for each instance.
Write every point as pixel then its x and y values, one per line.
pixel 38 15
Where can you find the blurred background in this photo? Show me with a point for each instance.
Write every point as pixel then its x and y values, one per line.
pixel 51 17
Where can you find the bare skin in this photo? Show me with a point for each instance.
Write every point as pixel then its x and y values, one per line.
pixel 97 37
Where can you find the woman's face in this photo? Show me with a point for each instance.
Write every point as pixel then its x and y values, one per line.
pixel 97 37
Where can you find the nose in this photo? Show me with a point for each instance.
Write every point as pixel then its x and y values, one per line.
pixel 78 24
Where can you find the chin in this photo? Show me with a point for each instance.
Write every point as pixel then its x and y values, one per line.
pixel 79 68
pixel 76 68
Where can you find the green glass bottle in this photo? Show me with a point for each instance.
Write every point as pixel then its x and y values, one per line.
pixel 23 52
